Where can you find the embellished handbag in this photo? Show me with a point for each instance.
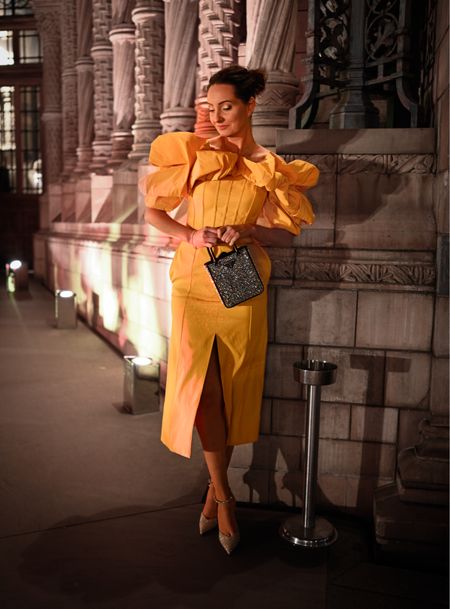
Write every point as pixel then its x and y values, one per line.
pixel 235 276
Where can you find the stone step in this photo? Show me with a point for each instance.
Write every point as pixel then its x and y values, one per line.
pixel 416 471
pixel 436 427
pixel 421 495
pixel 397 521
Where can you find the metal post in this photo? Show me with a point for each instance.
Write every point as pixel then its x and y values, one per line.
pixel 309 531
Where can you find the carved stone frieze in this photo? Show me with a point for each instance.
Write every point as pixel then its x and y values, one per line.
pixel 149 20
pixel 367 273
pixel 180 65
pixel 219 44
pixel 407 269
pixel 385 163
pixel 101 52
pixel 326 163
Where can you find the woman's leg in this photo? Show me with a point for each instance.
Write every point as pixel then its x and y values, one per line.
pixel 211 426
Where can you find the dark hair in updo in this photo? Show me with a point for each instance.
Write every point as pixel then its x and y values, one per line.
pixel 247 83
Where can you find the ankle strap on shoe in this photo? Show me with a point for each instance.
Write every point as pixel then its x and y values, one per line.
pixel 230 498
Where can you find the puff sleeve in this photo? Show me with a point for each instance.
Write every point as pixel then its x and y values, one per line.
pixel 171 158
pixel 286 206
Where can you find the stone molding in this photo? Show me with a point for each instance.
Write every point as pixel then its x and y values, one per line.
pixel 180 65
pixel 148 17
pixel 386 164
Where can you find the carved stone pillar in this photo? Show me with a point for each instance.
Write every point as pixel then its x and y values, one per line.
pixel 355 110
pixel 219 43
pixel 271 46
pixel 180 65
pixel 85 85
pixel 122 39
pixel 69 84
pixel 102 55
pixel 148 17
pixel 47 16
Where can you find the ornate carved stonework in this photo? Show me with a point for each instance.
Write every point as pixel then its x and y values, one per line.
pixel 48 21
pixel 385 163
pixel 180 65
pixel 368 163
pixel 413 274
pixel 219 43
pixel 387 268
pixel 69 84
pixel 85 85
pixel 271 45
pixel 101 52
pixel 122 38
pixel 148 16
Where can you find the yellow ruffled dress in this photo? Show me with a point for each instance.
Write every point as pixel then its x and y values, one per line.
pixel 222 188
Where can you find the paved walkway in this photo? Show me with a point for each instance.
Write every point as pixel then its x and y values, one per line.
pixel 95 512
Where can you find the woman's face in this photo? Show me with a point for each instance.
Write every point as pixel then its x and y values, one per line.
pixel 229 114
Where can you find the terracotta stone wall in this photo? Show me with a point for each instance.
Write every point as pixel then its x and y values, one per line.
pixel 360 287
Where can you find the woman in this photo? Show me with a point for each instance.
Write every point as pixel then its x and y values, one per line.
pixel 238 193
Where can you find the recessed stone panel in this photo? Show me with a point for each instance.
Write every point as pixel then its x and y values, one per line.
pixel 439 399
pixel 385 211
pixel 374 424
pixel 343 457
pixel 394 320
pixel 441 327
pixel 316 317
pixel 407 379
pixel 359 378
pixel 279 379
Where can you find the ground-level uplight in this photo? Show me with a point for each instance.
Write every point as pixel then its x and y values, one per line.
pixel 65 309
pixel 141 384
pixel 16 276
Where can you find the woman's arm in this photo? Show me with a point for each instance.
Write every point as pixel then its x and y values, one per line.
pixel 203 237
pixel 275 237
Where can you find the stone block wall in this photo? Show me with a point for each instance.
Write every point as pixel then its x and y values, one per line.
pixel 358 289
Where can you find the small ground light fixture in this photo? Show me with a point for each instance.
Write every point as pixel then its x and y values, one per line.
pixel 65 309
pixel 141 384
pixel 16 276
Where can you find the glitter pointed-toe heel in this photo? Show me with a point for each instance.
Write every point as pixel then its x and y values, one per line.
pixel 206 524
pixel 228 542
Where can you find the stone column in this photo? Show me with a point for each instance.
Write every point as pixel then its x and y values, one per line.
pixel 180 65
pixel 102 55
pixel 69 107
pixel 85 85
pixel 48 21
pixel 219 44
pixel 271 46
pixel 148 17
pixel 355 110
pixel 122 39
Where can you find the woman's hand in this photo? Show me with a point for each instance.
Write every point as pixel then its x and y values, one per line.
pixel 230 234
pixel 203 237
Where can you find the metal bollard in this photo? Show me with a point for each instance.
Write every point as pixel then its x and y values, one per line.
pixel 307 530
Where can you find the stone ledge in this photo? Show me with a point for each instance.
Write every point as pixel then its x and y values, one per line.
pixel 355 141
